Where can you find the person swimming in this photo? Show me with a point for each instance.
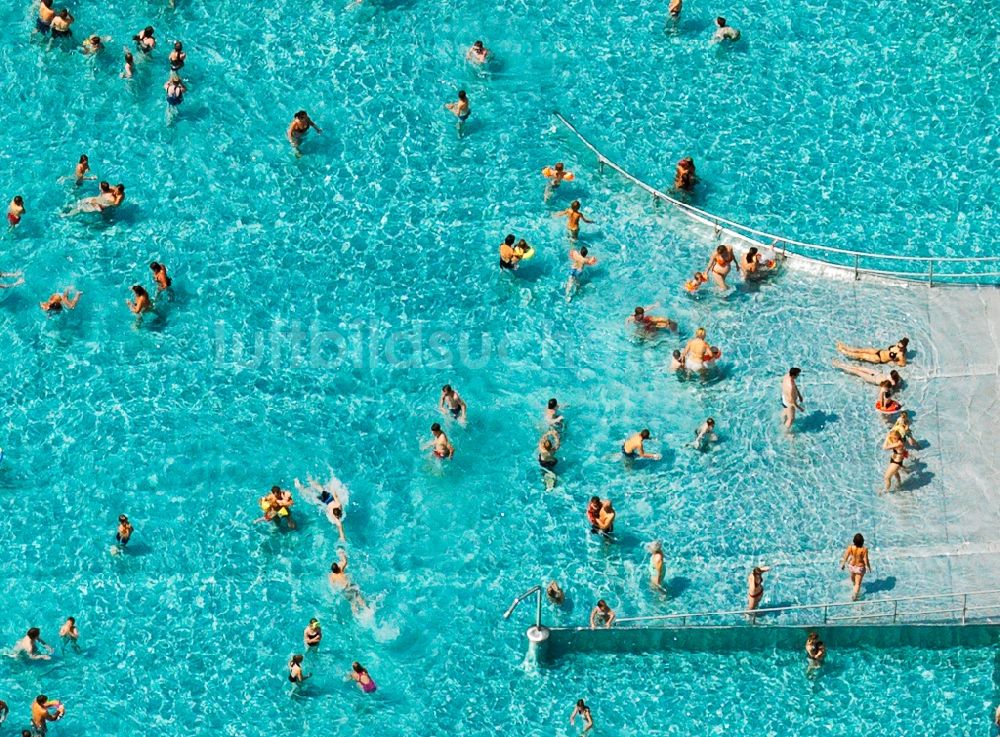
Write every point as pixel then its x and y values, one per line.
pixel 724 31
pixel 641 318
pixel 360 676
pixel 145 40
pixel 69 298
pixel 477 53
pixel 163 282
pixel 439 443
pixel 177 57
pixel 142 303
pixel 452 404
pixel 554 593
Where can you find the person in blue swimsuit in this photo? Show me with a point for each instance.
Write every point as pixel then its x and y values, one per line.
pixel 175 89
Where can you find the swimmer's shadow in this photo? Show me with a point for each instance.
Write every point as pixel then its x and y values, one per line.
pixel 880 585
pixel 676 586
pixel 918 477
pixel 816 421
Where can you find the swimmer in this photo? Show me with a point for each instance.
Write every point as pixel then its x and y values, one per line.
pixel 477 53
pixel 720 264
pixel 340 582
pixel 124 532
pixel 871 375
pixel 27 646
pixel 649 323
pixel 755 587
pixel 893 354
pixel 58 302
pixel 163 282
pixel 815 651
pixel 41 714
pixel 755 265
pixel 175 89
pixel 177 57
pixel 791 397
pixel 697 351
pixel 885 402
pixel 15 210
pixel 593 513
pixel 439 443
pixel 297 129
pixel 80 171
pixel 695 282
pixel 606 518
pixel 452 404
pixel 116 195
pixel 555 176
pixel 902 428
pixel 144 40
pixel 4 711
pixel 552 416
pixel 45 15
pixel 675 9
pixel 684 176
pixel 677 361
pixel 329 498
pixel 128 71
pixel 94 44
pixel 94 204
pixel 509 257
pixel 461 109
pixel 295 674
pixel 724 32
pixel 602 615
pixel 633 447
pixel 61 23
pixel 856 560
pixel 555 594
pixel 655 549
pixel 360 676
pixel 312 635
pixel 705 434
pixel 281 502
pixel 583 711
pixel 548 444
pixel 897 454
pixel 573 216
pixel 142 302
pixel 69 634
pixel 578 261
pixel 18 276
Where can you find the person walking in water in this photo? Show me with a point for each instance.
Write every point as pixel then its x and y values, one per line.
pixel 461 109
pixel 359 674
pixel 656 565
pixel 583 711
pixel 755 587
pixel 175 89
pixel 857 563
pixel 70 634
pixel 573 216
pixel 578 260
pixel 815 651
pixel 633 447
pixel 439 443
pixel 297 129
pixel 791 397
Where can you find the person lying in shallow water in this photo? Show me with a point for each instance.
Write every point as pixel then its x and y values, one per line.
pixel 893 354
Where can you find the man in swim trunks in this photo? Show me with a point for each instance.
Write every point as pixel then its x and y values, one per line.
pixel 724 32
pixel 602 615
pixel 573 217
pixel 452 404
pixel 28 646
pixel 675 8
pixel 461 109
pixel 61 23
pixel 633 447
pixel 439 444
pixel 509 257
pixel 298 128
pixel 340 582
pixel 791 397
pixel 45 16
pixel 578 260
pixel 41 716
pixel 15 210
pixel 650 323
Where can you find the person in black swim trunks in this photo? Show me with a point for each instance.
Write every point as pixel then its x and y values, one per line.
pixel 461 109
pixel 452 403
pixel 509 257
pixel 61 23
pixel 45 16
pixel 548 444
pixel 633 448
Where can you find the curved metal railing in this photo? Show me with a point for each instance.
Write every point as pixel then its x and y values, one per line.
pixel 932 269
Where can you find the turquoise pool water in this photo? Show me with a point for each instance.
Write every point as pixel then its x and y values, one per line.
pixel 320 304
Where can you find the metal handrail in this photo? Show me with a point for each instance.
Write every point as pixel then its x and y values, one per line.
pixel 739 229
pixel 537 591
pixel 826 607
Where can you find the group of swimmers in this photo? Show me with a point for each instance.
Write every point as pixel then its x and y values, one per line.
pixel 311 638
pixel 33 647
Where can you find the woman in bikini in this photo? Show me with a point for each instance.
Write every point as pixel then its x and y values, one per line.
pixel 656 565
pixel 894 444
pixel 548 444
pixel 720 264
pixel 885 402
pixel 872 376
pixel 893 354
pixel 755 587
pixel 902 428
pixel 856 560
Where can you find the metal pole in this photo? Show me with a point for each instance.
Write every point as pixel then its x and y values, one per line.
pixel 895 610
pixel 965 606
pixel 826 610
pixel 538 609
pixel 857 258
pixel 930 273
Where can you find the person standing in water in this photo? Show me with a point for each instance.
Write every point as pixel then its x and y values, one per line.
pixel 578 261
pixel 633 447
pixel 815 651
pixel 452 404
pixel 856 560
pixel 461 110
pixel 295 675
pixel 125 530
pixel 142 303
pixel 69 634
pixel 360 676
pixel 163 281
pixel 312 635
pixel 791 397
pixel 15 210
pixel 656 565
pixel 755 587
pixel 27 646
pixel 573 216
pixel 175 89
pixel 439 443
pixel 583 711
pixel 477 53
pixel 297 129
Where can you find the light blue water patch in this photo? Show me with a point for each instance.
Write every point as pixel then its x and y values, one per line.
pixel 319 305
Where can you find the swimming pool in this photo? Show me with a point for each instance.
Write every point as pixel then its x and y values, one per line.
pixel 320 304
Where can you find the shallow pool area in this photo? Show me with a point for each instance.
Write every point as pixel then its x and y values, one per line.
pixel 321 302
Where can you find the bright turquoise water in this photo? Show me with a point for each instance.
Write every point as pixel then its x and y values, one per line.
pixel 385 231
